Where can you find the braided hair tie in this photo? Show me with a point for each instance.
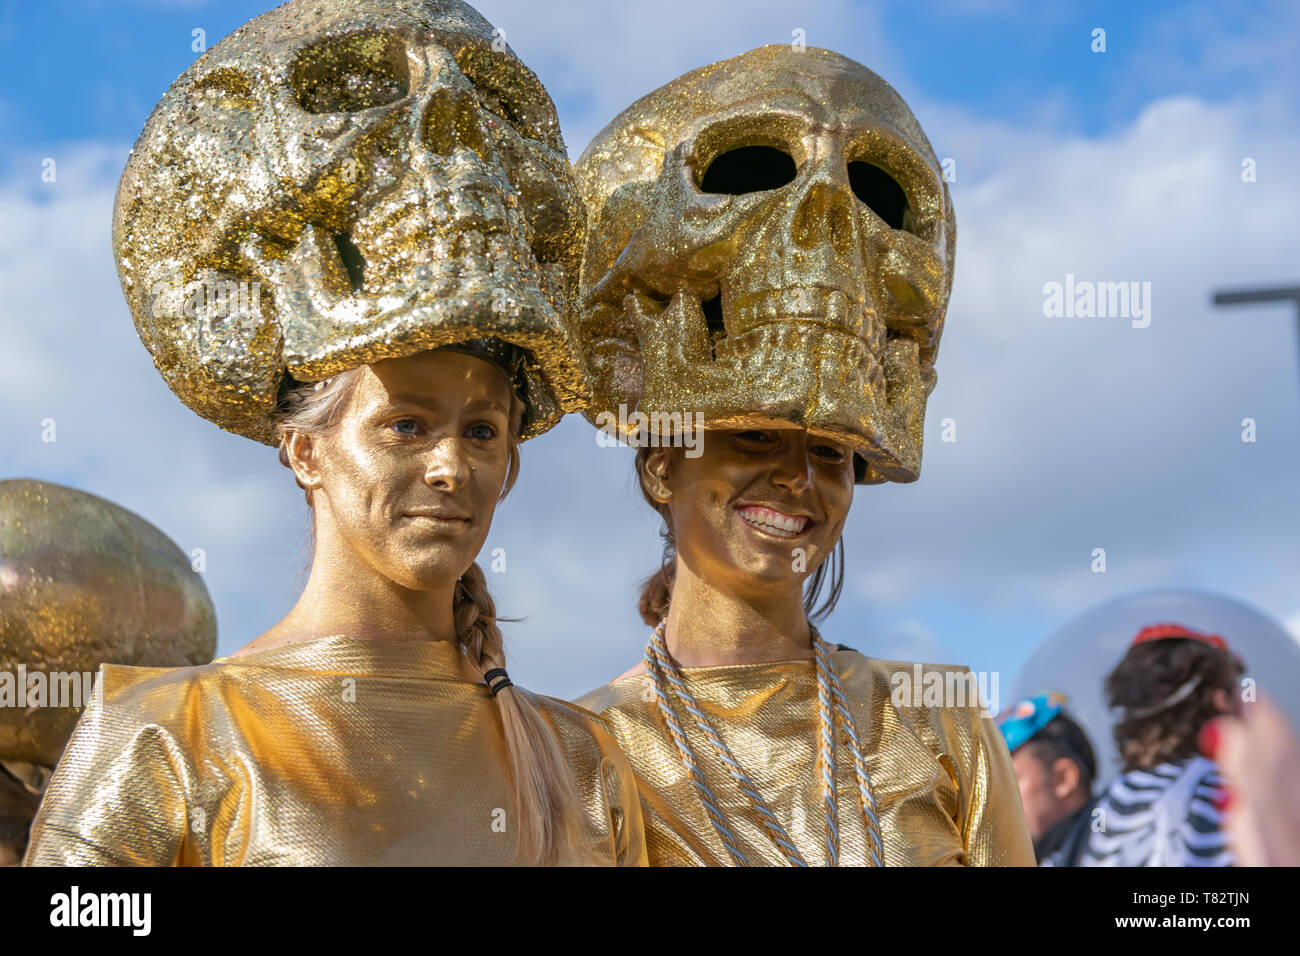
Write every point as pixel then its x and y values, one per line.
pixel 497 680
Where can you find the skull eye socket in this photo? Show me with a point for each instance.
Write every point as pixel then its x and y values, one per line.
pixel 748 169
pixel 351 73
pixel 504 93
pixel 881 193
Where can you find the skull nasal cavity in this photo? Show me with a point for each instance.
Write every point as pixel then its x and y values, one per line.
pixel 451 121
pixel 823 217
pixel 748 169
pixel 880 191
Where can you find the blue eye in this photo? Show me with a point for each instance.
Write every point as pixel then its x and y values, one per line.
pixel 491 431
pixel 397 425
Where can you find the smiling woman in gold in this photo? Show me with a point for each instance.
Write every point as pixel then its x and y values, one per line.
pixel 413 250
pixel 756 742
pixel 771 250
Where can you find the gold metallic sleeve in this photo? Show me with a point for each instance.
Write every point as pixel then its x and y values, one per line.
pixel 616 808
pixel 942 778
pixel 330 752
pixel 117 797
pixel 996 833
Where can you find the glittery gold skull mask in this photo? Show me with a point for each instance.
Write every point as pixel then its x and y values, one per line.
pixel 770 243
pixel 344 181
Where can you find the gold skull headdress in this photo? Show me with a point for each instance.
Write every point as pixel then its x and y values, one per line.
pixel 344 181
pixel 770 243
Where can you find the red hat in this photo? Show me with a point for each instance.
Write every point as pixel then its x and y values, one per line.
pixel 1157 632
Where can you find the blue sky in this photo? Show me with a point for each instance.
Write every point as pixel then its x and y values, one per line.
pixel 1072 434
pixel 81 69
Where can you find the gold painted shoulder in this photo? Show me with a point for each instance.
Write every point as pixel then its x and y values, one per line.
pixel 623 690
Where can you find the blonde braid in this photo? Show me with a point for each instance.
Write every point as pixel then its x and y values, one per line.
pixel 547 805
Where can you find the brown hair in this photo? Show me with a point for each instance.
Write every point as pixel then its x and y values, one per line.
pixel 1151 672
pixel 657 589
pixel 547 804
pixel 1063 737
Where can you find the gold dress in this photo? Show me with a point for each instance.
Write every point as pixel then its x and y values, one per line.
pixel 944 785
pixel 337 751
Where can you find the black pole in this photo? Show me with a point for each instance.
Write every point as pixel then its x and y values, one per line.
pixel 1252 296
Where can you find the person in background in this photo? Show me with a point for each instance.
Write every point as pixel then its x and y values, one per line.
pixel 1259 753
pixel 1055 767
pixel 1166 807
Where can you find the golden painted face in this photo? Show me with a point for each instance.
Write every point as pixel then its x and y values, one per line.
pixel 759 508
pixel 770 243
pixel 410 477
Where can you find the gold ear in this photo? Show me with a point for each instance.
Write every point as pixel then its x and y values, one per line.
pixel 301 460
pixel 655 475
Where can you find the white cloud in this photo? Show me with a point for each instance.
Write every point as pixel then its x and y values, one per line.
pixel 1082 433
pixel 597 59
pixel 1072 433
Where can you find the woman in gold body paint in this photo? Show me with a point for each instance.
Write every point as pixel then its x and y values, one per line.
pixel 360 729
pixel 738 636
pixel 392 180
pixel 770 249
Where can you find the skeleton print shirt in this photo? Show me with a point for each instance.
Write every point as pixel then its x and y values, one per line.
pixel 1161 816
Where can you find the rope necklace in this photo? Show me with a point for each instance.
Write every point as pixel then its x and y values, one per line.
pixel 831 704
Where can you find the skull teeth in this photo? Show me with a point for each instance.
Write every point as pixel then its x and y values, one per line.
pixel 830 306
pixel 812 338
pixel 415 264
